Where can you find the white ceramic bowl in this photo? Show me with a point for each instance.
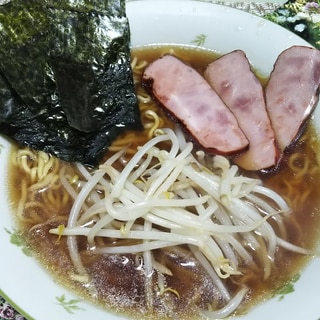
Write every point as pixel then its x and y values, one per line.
pixel 30 288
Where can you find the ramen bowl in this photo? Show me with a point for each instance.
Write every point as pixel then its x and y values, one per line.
pixel 30 288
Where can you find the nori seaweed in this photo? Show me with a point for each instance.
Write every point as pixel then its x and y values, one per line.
pixel 66 84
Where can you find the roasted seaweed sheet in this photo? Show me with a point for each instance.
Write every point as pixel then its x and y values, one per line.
pixel 66 84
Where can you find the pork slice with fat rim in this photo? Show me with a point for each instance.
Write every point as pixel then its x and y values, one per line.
pixel 186 95
pixel 292 91
pixel 232 78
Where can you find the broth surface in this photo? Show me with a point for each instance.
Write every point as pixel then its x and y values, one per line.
pixel 118 282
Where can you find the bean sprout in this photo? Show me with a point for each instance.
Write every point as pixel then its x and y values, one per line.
pixel 166 197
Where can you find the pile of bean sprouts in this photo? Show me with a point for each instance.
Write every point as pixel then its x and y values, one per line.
pixel 166 197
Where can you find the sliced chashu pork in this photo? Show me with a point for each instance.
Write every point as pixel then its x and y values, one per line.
pixel 232 78
pixel 292 91
pixel 186 95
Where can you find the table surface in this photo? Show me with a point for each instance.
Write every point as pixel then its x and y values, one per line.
pixel 299 16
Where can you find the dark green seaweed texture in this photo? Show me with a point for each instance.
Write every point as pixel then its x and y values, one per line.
pixel 66 84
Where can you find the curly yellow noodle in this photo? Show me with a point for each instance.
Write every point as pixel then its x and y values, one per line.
pixel 35 211
pixel 296 196
pixel 36 165
pixel 25 167
pixel 43 159
pixel 22 155
pixel 138 66
pixel 287 192
pixel 152 126
pixel 47 165
pixel 40 173
pixel 144 98
pixel 23 199
pixel 149 128
pixel 44 183
pixel 58 201
pixel 299 170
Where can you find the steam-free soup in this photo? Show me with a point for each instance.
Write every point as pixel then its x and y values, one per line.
pixel 180 286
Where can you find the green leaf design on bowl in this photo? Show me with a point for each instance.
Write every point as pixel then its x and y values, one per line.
pixel 69 305
pixel 287 288
pixel 199 40
pixel 17 239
